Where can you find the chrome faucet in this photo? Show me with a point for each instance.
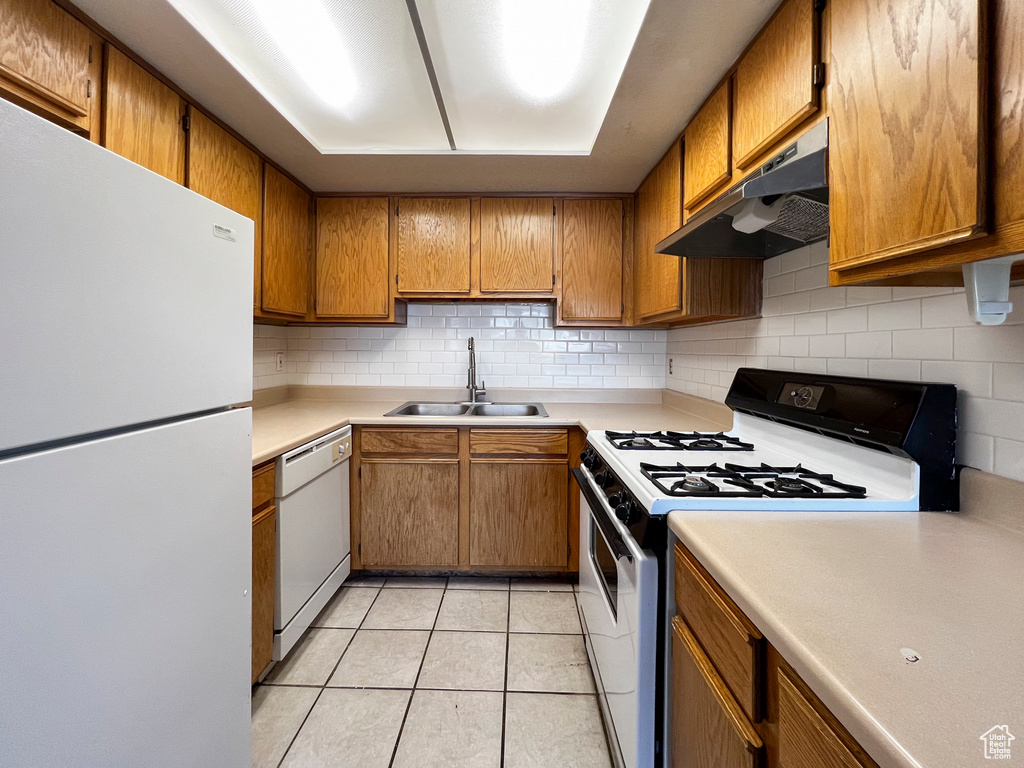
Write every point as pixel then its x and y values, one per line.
pixel 476 394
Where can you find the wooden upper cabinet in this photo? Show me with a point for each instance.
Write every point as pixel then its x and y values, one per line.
pixel 223 169
pixel 774 84
pixel 286 243
pixel 906 123
pixel 659 213
pixel 50 63
pixel 709 729
pixel 591 260
pixel 707 140
pixel 143 118
pixel 517 245
pixel 433 245
pixel 353 278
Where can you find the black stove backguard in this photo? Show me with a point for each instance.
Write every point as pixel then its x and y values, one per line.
pixel 912 419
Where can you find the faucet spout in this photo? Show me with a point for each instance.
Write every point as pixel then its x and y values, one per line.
pixel 476 394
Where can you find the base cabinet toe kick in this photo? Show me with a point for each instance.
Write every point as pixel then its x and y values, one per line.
pixel 736 703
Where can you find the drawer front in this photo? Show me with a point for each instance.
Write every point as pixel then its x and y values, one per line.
pixel 263 480
pixel 410 441
pixel 732 642
pixel 531 442
pixel 806 739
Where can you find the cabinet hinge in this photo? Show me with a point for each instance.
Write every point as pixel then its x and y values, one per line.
pixel 622 309
pixel 396 279
pixel 314 306
pixel 552 281
pixel 819 5
pixel 396 210
pixel 818 74
pixel 186 123
pixel 359 473
pixel 90 54
pixel 88 89
pixel 360 549
pixel 554 211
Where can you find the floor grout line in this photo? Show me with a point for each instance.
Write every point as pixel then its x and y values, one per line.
pixel 299 729
pixel 504 692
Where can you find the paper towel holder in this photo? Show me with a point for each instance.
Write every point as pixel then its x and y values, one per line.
pixel 987 286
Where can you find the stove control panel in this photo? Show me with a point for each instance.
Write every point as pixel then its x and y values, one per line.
pixel 622 502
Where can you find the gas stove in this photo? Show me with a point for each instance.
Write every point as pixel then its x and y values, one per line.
pixel 675 441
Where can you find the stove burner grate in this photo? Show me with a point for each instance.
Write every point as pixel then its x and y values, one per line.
pixel 676 441
pixel 776 482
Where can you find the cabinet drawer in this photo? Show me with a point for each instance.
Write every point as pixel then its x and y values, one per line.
pixel 410 441
pixel 543 442
pixel 728 637
pixel 263 481
pixel 806 737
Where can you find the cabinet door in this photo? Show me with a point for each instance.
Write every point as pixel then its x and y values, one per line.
pixel 223 169
pixel 659 213
pixel 708 160
pixel 409 512
pixel 518 512
pixel 50 63
pixel 708 727
pixel 517 244
pixel 774 88
pixel 433 245
pixel 591 260
pixel 806 740
pixel 286 240
pixel 352 274
pixel 264 538
pixel 143 118
pixel 906 170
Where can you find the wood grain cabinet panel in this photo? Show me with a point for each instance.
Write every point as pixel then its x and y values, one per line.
pixel 264 542
pixel 352 271
pixel 707 163
pixel 50 63
pixel 806 739
pixel 264 481
pixel 433 245
pixel 410 441
pixel 774 88
pixel 731 641
pixel 531 442
pixel 223 169
pixel 518 513
pixel 286 244
pixel 708 728
pixel 659 213
pixel 906 111
pixel 591 260
pixel 517 244
pixel 409 512
pixel 143 118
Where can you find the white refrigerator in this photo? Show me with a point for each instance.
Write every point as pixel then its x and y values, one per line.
pixel 125 480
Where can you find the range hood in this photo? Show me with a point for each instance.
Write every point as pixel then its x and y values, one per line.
pixel 781 206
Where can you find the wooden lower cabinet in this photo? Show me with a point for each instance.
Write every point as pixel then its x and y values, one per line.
pixel 409 512
pixel 518 512
pixel 712 725
pixel 264 548
pixel 709 730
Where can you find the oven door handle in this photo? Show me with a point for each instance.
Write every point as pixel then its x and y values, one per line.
pixel 612 536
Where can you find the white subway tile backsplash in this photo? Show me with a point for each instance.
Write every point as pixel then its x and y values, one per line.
pixel 892 333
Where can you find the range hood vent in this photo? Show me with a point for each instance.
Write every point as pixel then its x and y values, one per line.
pixel 781 206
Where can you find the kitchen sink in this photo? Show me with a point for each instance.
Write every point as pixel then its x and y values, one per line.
pixel 430 409
pixel 469 409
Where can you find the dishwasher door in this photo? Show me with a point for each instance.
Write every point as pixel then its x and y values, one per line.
pixel 312 533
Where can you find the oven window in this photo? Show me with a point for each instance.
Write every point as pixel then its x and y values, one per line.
pixel 605 563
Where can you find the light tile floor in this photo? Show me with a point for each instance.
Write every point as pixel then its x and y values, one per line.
pixel 435 673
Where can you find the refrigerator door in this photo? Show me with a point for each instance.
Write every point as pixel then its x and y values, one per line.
pixel 121 302
pixel 125 566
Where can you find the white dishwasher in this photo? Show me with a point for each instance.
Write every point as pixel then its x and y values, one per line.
pixel 312 533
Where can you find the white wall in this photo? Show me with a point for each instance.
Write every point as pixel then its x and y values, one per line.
pixel 517 346
pixel 918 334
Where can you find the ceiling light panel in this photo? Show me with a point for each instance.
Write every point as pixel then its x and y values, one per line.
pixel 348 75
pixel 529 76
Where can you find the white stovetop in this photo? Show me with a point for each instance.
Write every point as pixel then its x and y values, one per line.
pixel 891 481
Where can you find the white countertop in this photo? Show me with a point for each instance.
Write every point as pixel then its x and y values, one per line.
pixel 840 594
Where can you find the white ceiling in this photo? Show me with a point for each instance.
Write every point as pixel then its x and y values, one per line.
pixel 683 49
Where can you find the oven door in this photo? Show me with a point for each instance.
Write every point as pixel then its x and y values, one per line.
pixel 618 604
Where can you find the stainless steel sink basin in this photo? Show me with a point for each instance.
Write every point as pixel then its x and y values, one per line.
pixel 430 409
pixel 467 409
pixel 509 409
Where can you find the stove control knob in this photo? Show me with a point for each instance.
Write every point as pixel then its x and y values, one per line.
pixel 626 512
pixel 616 498
pixel 589 458
pixel 604 478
